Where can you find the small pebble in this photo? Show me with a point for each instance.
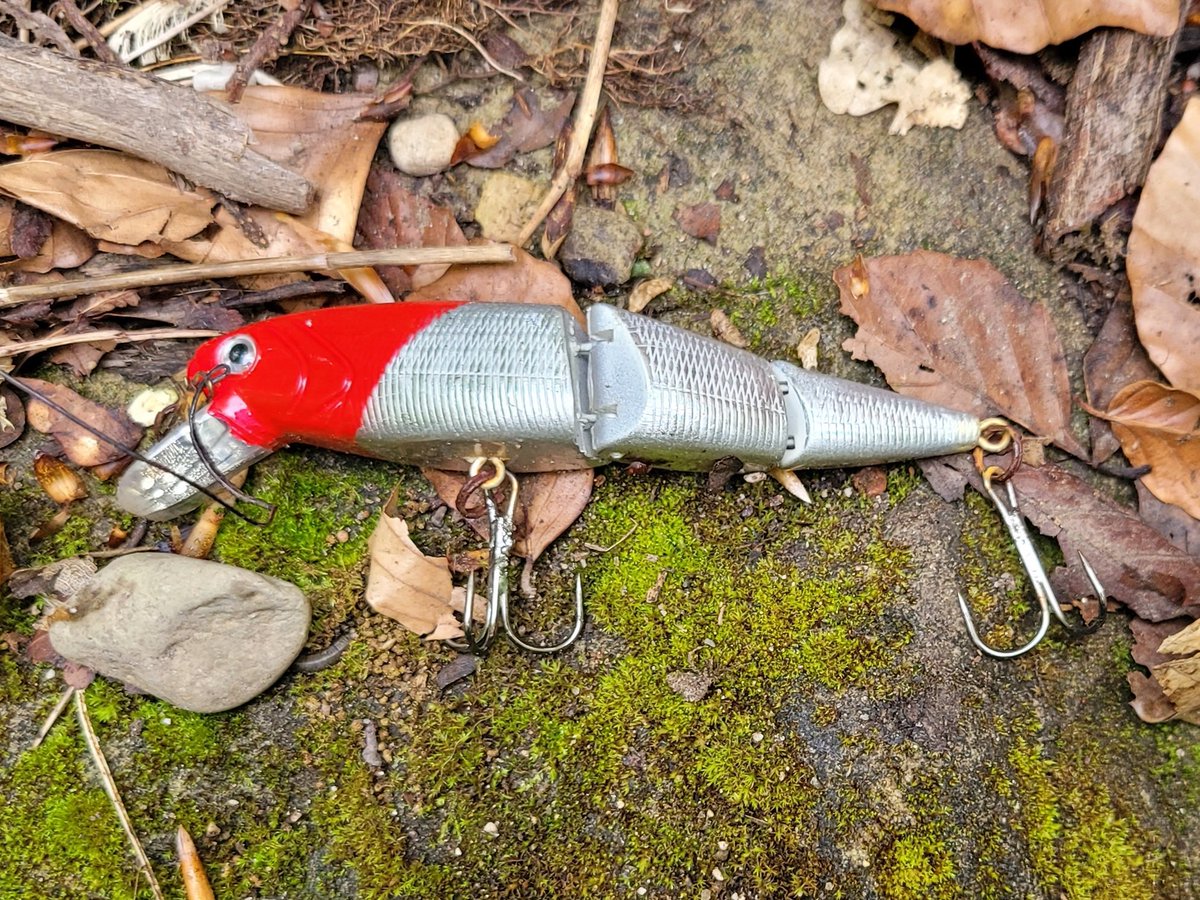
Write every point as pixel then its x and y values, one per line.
pixel 491 828
pixel 757 737
pixel 717 874
pixel 423 145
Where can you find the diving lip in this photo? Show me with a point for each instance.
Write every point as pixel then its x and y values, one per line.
pixel 147 491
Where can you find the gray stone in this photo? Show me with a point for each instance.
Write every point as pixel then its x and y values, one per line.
pixel 198 634
pixel 601 246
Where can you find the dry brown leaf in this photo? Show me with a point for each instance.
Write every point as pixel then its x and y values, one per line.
pixel 30 230
pixel 1137 566
pixel 81 446
pixel 646 290
pixel 7 209
pixel 1028 27
pixel 1160 427
pixel 1180 678
pixel 319 136
pixel 66 248
pixel 955 332
pixel 806 348
pixel 1149 701
pixel 702 221
pixel 61 483
pixel 525 280
pixel 406 585
pixel 109 195
pixel 547 504
pixel 1164 256
pixel 1114 359
pixel 394 215
pixel 363 279
pixel 1170 521
pixel 723 327
pixel 525 127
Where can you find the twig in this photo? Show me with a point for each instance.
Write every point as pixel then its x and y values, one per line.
pixel 172 33
pixel 110 788
pixel 585 119
pixel 402 256
pixel 265 48
pixel 40 24
pixel 53 717
pixel 105 334
pixel 84 26
pixel 469 38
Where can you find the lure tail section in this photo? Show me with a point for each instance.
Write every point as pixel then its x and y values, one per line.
pixel 530 385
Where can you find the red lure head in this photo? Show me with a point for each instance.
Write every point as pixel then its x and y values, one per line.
pixel 307 376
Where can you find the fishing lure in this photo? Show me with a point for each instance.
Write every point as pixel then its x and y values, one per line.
pixel 529 388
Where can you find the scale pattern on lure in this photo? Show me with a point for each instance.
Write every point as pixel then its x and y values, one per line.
pixel 443 384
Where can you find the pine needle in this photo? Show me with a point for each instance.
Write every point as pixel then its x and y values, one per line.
pixel 110 788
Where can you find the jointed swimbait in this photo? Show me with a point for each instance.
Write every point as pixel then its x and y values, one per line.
pixel 442 384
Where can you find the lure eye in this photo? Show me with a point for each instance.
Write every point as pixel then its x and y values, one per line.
pixel 239 354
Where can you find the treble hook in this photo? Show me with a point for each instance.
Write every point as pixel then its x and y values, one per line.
pixel 500 541
pixel 1010 514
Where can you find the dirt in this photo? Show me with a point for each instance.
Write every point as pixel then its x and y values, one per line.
pixel 882 759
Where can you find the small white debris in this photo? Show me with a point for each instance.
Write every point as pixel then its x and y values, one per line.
pixel 757 737
pixel 491 828
pixel 866 71
pixel 145 407
pixel 717 874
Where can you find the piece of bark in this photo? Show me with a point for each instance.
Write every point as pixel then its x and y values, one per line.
pixel 1113 120
pixel 150 118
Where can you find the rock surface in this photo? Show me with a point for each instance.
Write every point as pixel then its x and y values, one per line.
pixel 601 246
pixel 202 635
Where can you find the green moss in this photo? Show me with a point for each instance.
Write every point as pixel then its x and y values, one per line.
pixel 59 835
pixel 1079 840
pixel 918 867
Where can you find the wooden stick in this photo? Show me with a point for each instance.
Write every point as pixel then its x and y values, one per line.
pixel 1113 121
pixel 110 788
pixel 401 256
pixel 115 106
pixel 83 25
pixel 107 334
pixel 63 700
pixel 585 119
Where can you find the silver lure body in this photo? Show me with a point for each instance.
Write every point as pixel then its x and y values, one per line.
pixel 528 384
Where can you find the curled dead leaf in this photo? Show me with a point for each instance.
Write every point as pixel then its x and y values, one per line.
pixel 320 136
pixel 806 348
pixel 1180 678
pixel 1159 427
pixel 1027 28
pixel 12 416
pixel 723 327
pixel 526 127
pixel 646 290
pixel 1164 256
pixel 61 483
pixel 406 585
